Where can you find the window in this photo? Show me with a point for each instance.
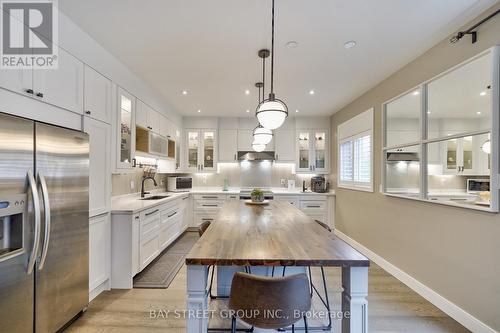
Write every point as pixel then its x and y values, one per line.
pixel 355 152
pixel 439 141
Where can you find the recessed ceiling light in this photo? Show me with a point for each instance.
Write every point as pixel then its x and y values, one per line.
pixel 482 93
pixel 428 112
pixel 416 93
pixel 311 92
pixel 292 44
pixel 296 111
pixel 449 134
pixel 350 44
pixel 248 111
pixel 199 111
pixel 247 92
pixel 184 92
pixel 478 112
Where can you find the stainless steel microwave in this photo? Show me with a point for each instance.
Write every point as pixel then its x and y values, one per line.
pixel 180 184
pixel 478 185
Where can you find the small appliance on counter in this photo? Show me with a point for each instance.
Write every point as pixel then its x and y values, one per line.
pixel 180 184
pixel 319 184
pixel 291 184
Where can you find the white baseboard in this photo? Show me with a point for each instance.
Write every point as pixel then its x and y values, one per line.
pixel 99 289
pixel 451 309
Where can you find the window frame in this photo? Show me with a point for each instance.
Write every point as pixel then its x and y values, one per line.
pixel 494 53
pixel 356 185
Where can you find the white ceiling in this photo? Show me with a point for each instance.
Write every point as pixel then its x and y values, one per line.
pixel 209 48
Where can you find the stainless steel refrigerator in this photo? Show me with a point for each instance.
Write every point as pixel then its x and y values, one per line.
pixel 44 225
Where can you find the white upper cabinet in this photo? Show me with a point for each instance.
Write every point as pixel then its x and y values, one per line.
pixel 100 166
pixel 148 118
pixel 97 96
pixel 245 139
pixel 228 145
pixel 201 150
pixel 17 80
pixel 141 114
pixel 284 144
pixel 125 129
pixel 154 120
pixel 313 151
pixel 62 87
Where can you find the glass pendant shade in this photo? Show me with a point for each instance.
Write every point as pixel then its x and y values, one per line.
pixel 486 147
pixel 262 135
pixel 272 113
pixel 258 147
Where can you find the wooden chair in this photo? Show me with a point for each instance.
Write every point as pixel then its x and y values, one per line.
pixel 270 302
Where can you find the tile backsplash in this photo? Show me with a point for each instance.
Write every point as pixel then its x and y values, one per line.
pixel 245 174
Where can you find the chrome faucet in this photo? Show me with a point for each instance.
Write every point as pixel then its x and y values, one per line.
pixel 143 193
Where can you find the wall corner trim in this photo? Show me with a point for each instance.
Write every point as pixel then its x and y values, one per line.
pixel 451 309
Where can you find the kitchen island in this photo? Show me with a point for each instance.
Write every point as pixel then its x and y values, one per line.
pixel 268 236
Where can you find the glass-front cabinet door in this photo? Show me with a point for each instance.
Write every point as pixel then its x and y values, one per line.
pixel 312 146
pixel 304 163
pixel 201 150
pixel 125 129
pixel 319 143
pixel 193 150
pixel 208 162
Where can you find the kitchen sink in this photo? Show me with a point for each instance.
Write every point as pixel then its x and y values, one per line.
pixel 156 197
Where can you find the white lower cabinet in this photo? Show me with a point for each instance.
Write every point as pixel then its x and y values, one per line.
pixel 206 207
pixel 139 238
pixel 317 207
pixel 99 255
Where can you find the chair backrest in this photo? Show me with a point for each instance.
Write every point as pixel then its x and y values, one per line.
pixel 203 227
pixel 324 225
pixel 271 303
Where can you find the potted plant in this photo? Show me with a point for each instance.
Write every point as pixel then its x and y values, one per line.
pixel 257 195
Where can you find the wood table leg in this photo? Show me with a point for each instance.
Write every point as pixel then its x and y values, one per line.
pixel 354 303
pixel 197 300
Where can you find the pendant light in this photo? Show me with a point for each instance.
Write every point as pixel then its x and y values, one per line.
pixel 258 147
pixel 272 112
pixel 260 133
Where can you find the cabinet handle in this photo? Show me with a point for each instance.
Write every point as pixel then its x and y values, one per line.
pixel 205 219
pixel 213 205
pixel 235 157
pixel 172 214
pixel 209 197
pixel 184 198
pixel 39 95
pixel 137 217
pixel 88 112
pixel 29 91
pixel 151 213
pixel 313 206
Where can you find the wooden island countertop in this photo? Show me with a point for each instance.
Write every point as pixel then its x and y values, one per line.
pixel 277 234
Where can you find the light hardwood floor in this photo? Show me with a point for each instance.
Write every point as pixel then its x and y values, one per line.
pixel 393 307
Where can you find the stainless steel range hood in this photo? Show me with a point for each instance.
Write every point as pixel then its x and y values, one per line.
pixel 255 156
pixel 402 157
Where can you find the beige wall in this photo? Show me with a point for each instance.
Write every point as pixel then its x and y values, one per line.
pixel 454 251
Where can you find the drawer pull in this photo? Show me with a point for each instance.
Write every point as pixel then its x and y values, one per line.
pixel 151 213
pixel 172 214
pixel 213 205
pixel 313 206
pixel 206 219
pixel 209 197
pixel 185 198
pixel 137 217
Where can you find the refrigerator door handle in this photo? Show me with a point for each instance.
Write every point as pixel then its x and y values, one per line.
pixel 36 208
pixel 46 208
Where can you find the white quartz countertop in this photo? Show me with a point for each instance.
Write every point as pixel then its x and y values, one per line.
pixel 131 203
